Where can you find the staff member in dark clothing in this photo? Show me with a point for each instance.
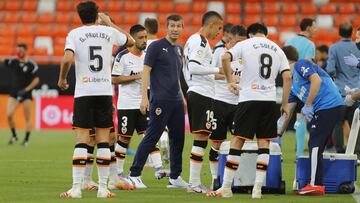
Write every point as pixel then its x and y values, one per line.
pixel 162 67
pixel 25 80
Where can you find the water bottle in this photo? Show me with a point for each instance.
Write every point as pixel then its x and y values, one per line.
pixel 280 124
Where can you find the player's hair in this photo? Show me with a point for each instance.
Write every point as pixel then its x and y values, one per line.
pixel 22 45
pixel 151 25
pixel 88 11
pixel 135 29
pixel 291 53
pixel 238 30
pixel 358 28
pixel 173 17
pixel 208 16
pixel 257 28
pixel 306 22
pixel 323 48
pixel 228 27
pixel 345 30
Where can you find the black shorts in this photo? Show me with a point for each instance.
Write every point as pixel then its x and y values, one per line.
pixel 349 113
pixel 92 131
pixel 130 120
pixel 20 99
pixel 256 117
pixel 201 115
pixel 93 111
pixel 223 120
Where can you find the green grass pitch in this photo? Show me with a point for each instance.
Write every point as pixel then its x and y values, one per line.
pixel 39 172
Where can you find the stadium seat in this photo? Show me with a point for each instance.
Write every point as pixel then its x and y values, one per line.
pixel 288 21
pixel 114 6
pixel 249 19
pixel 273 37
pixel 7 40
pixel 252 9
pixel 64 6
pixel 29 5
pixel 290 8
pixel 2 5
pixel 8 29
pixel 11 17
pixel 162 18
pixel 328 9
pixel 58 51
pixel 44 42
pixel 130 18
pixel 116 17
pixel 13 5
pixel 271 8
pixel 59 41
pixel 39 51
pixel 196 19
pixel 25 30
pixel 46 18
pixel 324 21
pixel 356 22
pixel 234 19
pixel 199 7
pixel 63 18
pixel 308 9
pixel 342 19
pixel 6 50
pixel 28 17
pixel 216 6
pixel 29 41
pixel 271 20
pixel 44 30
pixel 187 19
pixel 166 7
pixel 61 30
pixel 148 6
pixel 132 7
pixel 347 8
pixel 233 8
pixel 182 7
pixel 284 36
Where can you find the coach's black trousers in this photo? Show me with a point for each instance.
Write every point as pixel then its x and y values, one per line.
pixel 163 113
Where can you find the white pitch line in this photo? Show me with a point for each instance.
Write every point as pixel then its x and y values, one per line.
pixel 356 194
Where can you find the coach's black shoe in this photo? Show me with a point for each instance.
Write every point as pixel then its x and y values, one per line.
pixel 12 140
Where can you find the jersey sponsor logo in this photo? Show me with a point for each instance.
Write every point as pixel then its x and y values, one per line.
pixel 87 80
pixel 304 71
pixel 158 111
pixel 134 73
pixel 255 86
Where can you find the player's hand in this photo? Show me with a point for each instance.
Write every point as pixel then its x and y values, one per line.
pixel 105 19
pixel 348 100
pixel 285 109
pixel 21 93
pixel 308 112
pixel 236 79
pixel 144 106
pixel 234 88
pixel 63 85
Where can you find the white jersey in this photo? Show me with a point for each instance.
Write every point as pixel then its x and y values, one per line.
pixel 92 46
pixel 198 71
pixel 263 60
pixel 222 93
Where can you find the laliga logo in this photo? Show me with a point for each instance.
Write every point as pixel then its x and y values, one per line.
pixel 52 115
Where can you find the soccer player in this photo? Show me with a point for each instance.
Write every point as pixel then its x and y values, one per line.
pixel 257 110
pixel 127 69
pixel 152 27
pixel 200 76
pixel 225 101
pixel 162 66
pixel 323 108
pixel 306 49
pixel 91 46
pixel 26 79
pixel 226 38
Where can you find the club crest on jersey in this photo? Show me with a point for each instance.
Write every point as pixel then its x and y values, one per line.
pixel 85 80
pixel 208 125
pixel 123 130
pixel 158 111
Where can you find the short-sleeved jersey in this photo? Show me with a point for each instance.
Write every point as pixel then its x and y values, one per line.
pixel 24 72
pixel 197 50
pixel 328 95
pixel 165 61
pixel 127 64
pixel 263 60
pixel 92 46
pixel 303 45
pixel 222 93
pixel 148 42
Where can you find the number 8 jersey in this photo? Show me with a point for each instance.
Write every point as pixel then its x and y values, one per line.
pixel 92 46
pixel 262 60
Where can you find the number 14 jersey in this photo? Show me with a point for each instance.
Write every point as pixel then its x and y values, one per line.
pixel 92 46
pixel 262 60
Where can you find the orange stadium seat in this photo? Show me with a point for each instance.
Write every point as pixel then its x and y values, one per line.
pixel 249 19
pixel 29 40
pixel 64 6
pixel 356 22
pixel 288 21
pixel 132 7
pixel 59 41
pixel 2 5
pixel 162 18
pixel 25 30
pixel 252 9
pixel 8 29
pixel 44 30
pixel 114 6
pixel 233 8
pixel 11 17
pixel 271 20
pixel 46 18
pixel 199 7
pixel 58 51
pixel 166 7
pixel 290 8
pixel 116 17
pixel 327 9
pixel 39 51
pixel 196 19
pixel 182 8
pixel 187 19
pixel 271 8
pixel 273 37
pixel 233 18
pixel 148 6
pixel 342 19
pixel 309 8
pixel 7 40
pixel 64 17
pixel 13 5
pixel 61 30
pixel 6 50
pixel 131 18
pixel 29 5
pixel 347 8
pixel 28 17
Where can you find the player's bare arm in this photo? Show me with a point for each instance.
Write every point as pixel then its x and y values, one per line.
pixel 121 79
pixel 315 83
pixel 64 69
pixel 286 76
pixel 226 67
pixel 144 106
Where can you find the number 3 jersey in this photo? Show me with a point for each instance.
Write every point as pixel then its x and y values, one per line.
pixel 127 64
pixel 92 46
pixel 262 60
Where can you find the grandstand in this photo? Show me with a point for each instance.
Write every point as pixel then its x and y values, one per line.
pixel 43 24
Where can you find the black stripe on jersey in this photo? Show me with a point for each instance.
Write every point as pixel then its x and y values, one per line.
pixel 118 57
pixel 218 46
pixel 203 41
pixel 195 62
pixel 70 50
pixel 284 71
pixel 231 56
